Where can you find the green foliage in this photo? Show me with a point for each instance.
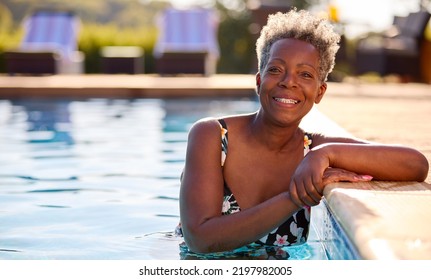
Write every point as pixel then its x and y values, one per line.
pixel 5 19
pixel 236 48
pixel 93 37
pixel 8 39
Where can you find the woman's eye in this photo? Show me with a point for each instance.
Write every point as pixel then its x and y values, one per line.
pixel 307 75
pixel 273 70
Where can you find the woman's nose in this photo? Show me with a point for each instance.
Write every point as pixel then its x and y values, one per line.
pixel 287 80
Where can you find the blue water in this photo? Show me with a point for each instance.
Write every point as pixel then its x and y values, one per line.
pixel 99 178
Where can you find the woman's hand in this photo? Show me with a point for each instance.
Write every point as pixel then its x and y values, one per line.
pixel 306 185
pixel 332 175
pixel 313 174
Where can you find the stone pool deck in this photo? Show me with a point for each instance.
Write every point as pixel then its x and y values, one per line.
pixel 126 86
pixel 384 220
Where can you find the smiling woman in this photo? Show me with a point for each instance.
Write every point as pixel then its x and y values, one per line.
pixel 300 69
pixel 251 179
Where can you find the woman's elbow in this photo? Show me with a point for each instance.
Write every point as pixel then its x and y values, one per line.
pixel 198 242
pixel 423 168
pixel 195 246
pixel 417 167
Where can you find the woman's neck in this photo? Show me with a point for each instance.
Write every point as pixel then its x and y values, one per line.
pixel 274 137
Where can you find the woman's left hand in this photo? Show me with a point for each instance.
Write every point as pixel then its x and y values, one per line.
pixel 332 175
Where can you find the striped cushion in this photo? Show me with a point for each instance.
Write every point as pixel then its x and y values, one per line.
pixel 51 30
pixel 192 30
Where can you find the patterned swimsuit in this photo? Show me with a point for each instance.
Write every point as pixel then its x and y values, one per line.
pixel 294 231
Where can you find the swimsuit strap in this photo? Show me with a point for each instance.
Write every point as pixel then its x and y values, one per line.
pixel 224 140
pixel 308 141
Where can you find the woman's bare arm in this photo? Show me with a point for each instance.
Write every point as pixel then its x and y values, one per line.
pixel 382 162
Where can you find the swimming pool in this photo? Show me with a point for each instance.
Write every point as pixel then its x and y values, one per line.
pixel 99 178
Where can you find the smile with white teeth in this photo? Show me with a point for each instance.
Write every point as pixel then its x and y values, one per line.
pixel 286 100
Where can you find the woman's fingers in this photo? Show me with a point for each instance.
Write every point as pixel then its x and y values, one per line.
pixel 304 193
pixel 332 175
pixel 309 191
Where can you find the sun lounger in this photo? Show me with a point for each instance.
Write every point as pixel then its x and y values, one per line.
pixel 187 42
pixel 49 45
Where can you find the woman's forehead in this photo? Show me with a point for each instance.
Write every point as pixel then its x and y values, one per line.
pixel 290 47
pixel 292 43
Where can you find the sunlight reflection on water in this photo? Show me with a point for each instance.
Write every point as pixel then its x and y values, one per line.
pixel 95 179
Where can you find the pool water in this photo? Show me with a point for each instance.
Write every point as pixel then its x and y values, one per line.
pixel 99 179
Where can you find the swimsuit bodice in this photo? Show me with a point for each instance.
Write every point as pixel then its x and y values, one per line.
pixel 293 231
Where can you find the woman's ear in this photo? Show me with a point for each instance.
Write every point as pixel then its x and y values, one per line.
pixel 321 92
pixel 258 81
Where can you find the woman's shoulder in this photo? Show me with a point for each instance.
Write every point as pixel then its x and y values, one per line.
pixel 210 123
pixel 204 122
pixel 204 126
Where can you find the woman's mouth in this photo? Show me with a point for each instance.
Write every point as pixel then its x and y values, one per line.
pixel 286 100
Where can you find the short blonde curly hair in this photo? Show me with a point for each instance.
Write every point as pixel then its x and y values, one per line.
pixel 301 25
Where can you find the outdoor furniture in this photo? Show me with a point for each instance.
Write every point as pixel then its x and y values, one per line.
pixel 31 62
pixel 425 62
pixel 397 51
pixel 122 60
pixel 187 42
pixel 49 45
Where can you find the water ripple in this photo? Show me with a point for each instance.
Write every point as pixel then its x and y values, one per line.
pixel 167 197
pixel 167 216
pixel 54 190
pixel 31 178
pixel 10 250
pixel 67 190
pixel 54 206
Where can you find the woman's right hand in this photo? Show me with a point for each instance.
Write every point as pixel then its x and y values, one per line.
pixel 313 174
pixel 306 188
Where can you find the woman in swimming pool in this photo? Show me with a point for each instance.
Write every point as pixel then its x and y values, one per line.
pixel 254 177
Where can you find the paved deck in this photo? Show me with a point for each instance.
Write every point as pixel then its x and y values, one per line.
pixel 126 86
pixel 385 220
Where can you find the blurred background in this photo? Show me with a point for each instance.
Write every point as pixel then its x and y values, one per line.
pixel 133 23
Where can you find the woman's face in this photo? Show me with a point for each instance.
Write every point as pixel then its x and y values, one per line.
pixel 290 85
